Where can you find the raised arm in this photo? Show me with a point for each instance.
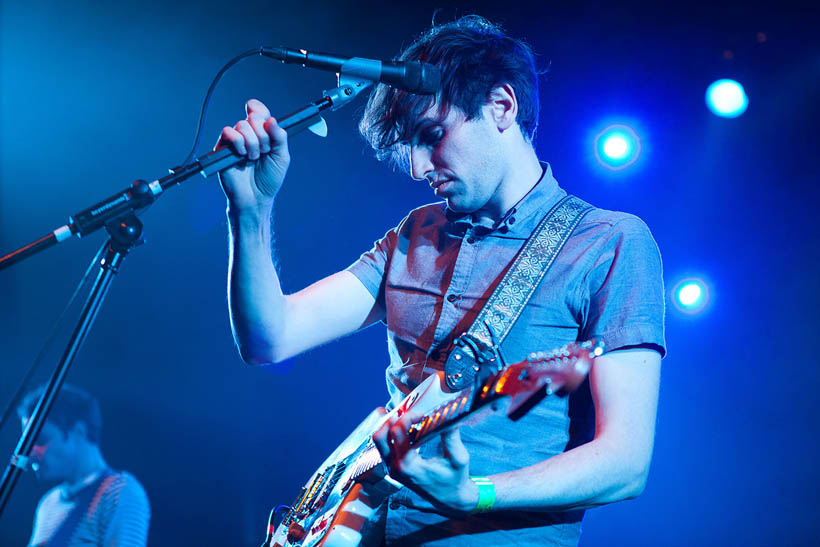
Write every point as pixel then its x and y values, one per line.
pixel 269 326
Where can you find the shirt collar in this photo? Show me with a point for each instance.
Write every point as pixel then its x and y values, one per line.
pixel 518 221
pixel 68 491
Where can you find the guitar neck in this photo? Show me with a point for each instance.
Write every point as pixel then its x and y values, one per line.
pixel 442 417
pixel 541 374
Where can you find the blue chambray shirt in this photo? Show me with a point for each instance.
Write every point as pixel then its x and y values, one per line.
pixel 434 272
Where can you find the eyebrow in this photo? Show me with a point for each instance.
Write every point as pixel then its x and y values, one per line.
pixel 425 125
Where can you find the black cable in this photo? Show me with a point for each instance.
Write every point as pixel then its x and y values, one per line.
pixel 272 526
pixel 206 102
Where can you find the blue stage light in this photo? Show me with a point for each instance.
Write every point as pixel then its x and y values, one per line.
pixel 617 146
pixel 726 98
pixel 691 295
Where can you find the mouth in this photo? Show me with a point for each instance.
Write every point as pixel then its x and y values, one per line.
pixel 438 181
pixel 440 185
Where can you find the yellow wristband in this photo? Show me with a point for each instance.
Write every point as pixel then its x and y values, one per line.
pixel 486 494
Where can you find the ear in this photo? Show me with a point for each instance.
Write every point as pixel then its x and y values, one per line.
pixel 80 429
pixel 503 106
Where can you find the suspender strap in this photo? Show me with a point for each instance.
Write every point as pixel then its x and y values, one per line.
pixel 505 305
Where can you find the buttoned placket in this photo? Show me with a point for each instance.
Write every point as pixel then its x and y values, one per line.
pixel 450 315
pixel 462 273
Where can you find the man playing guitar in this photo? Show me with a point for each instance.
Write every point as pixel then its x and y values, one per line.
pixel 429 277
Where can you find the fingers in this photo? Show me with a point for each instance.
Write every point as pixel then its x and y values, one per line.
pixel 393 444
pixel 278 137
pixel 385 440
pixel 232 138
pixel 399 444
pixel 454 450
pixel 272 138
pixel 257 124
pixel 258 134
pixel 381 442
pixel 255 107
pixel 250 137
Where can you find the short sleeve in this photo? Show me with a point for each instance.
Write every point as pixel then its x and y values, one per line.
pixel 129 510
pixel 624 289
pixel 370 268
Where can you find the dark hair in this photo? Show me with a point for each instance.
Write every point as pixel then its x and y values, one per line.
pixel 72 405
pixel 474 56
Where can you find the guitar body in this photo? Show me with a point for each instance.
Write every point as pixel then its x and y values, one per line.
pixel 332 512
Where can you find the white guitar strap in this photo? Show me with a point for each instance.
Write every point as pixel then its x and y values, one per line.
pixel 505 305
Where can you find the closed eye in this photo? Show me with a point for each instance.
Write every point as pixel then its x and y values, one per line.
pixel 429 136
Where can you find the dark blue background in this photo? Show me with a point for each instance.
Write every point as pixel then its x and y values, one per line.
pixel 96 95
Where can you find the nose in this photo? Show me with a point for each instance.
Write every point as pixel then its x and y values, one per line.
pixel 420 162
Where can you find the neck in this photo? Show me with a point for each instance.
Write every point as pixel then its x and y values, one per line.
pixel 89 461
pixel 523 171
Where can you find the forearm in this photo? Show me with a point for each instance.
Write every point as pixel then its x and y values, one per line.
pixel 255 299
pixel 588 476
pixel 615 464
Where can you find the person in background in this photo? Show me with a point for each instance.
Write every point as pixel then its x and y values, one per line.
pixel 92 504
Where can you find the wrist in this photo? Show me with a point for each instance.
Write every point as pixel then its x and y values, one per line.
pixel 249 217
pixel 485 497
pixel 249 229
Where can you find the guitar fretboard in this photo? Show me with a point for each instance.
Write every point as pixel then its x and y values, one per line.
pixel 441 417
pixel 437 419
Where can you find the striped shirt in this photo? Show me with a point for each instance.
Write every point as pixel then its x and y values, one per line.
pixel 117 515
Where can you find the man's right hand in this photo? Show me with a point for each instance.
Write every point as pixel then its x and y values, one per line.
pixel 252 186
pixel 269 326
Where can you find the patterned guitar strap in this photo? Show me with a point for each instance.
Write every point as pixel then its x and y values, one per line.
pixel 499 314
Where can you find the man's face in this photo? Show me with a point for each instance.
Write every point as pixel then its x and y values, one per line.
pixel 54 453
pixel 460 159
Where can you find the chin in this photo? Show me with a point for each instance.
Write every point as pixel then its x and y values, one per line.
pixel 458 207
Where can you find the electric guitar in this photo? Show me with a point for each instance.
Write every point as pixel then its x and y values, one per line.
pixel 343 494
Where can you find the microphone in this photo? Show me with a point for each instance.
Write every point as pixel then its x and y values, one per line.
pixel 412 76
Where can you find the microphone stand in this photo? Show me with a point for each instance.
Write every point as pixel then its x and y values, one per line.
pixel 117 214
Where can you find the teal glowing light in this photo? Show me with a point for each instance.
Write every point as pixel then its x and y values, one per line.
pixel 617 147
pixel 726 98
pixel 691 295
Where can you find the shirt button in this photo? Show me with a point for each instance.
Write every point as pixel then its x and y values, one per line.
pixel 471 240
pixel 451 297
pixel 511 221
pixel 394 505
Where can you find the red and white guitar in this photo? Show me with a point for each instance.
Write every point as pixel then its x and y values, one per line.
pixel 343 494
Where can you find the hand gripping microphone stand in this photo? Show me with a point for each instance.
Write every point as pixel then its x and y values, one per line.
pixel 117 214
